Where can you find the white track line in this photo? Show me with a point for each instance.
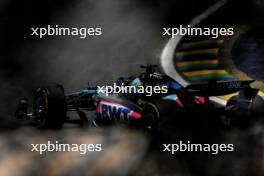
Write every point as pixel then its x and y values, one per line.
pixel 167 55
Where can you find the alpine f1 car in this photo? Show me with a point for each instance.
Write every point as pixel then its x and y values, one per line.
pixel 51 104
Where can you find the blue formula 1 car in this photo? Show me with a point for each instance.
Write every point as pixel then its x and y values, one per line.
pixel 138 108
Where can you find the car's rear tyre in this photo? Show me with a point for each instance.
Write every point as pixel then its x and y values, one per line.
pixel 232 101
pixel 227 119
pixel 50 107
pixel 151 117
pixel 156 111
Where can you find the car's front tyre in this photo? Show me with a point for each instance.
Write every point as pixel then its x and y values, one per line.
pixel 50 107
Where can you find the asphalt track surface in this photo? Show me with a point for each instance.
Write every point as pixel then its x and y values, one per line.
pixel 132 37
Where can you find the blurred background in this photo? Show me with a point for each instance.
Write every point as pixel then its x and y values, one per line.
pixel 132 35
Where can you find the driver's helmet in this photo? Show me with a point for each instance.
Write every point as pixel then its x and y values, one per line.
pixel 136 83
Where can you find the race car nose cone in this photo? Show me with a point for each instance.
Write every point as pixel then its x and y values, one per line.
pixel 248 52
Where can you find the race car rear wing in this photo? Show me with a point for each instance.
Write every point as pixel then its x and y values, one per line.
pixel 214 88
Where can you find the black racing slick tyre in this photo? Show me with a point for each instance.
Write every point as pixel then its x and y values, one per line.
pixel 151 117
pixel 156 111
pixel 50 107
pixel 231 102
